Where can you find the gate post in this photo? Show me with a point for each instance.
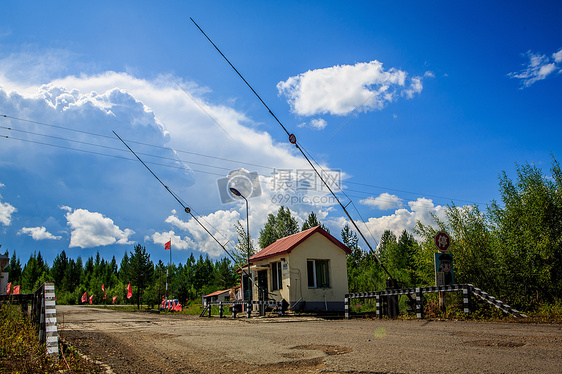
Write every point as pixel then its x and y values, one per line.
pixel 346 306
pixel 466 298
pixel 419 303
pixel 220 309
pixel 248 309
pixel 378 305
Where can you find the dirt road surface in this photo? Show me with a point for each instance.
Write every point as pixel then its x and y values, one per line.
pixel 140 342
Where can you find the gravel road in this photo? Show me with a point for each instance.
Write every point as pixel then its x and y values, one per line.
pixel 139 342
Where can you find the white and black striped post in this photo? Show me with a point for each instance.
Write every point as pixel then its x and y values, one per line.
pixel 346 306
pixel 466 298
pixel 48 332
pixel 419 303
pixel 220 309
pixel 378 306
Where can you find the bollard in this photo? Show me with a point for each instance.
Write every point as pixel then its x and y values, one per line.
pixel 378 306
pixel 346 306
pixel 248 309
pixel 220 309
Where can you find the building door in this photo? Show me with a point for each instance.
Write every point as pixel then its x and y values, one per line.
pixel 246 287
pixel 262 284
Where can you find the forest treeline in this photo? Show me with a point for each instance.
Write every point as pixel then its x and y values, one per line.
pixel 513 251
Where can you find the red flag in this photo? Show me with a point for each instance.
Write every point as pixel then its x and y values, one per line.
pixel 178 307
pixel 91 299
pixel 103 289
pixel 168 245
pixel 129 291
pixel 163 305
pixel 9 289
pixel 114 299
pixel 84 297
pixel 16 290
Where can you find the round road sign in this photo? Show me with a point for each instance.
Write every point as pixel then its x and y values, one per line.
pixel 442 241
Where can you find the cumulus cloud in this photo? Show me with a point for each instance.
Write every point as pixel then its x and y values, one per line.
pixel 92 229
pixel 342 89
pixel 384 201
pixel 315 124
pixel 538 68
pixel 220 224
pixel 406 219
pixel 6 211
pixel 318 123
pixel 39 233
pixel 164 237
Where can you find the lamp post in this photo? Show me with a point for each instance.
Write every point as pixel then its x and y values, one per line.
pixel 237 193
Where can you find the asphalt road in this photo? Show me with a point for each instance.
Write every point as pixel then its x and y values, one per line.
pixel 138 342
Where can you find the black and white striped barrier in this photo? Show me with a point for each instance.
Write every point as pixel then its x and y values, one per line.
pixel 497 303
pixel 418 292
pixel 233 304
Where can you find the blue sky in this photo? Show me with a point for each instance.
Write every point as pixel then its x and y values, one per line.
pixel 409 106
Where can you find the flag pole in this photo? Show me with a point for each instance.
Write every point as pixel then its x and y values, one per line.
pixel 170 266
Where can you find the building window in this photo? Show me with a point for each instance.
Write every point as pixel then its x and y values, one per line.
pixel 276 279
pixel 318 273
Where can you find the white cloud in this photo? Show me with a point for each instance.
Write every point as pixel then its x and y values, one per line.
pixel 163 237
pixel 92 229
pixel 342 89
pixel 557 56
pixel 384 201
pixel 415 88
pixel 39 233
pixel 404 219
pixel 315 124
pixel 318 123
pixel 6 211
pixel 538 68
pixel 155 112
pixel 220 224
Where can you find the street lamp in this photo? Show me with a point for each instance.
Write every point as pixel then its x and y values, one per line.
pixel 235 192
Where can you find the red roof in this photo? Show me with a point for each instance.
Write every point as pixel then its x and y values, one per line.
pixel 216 293
pixel 288 243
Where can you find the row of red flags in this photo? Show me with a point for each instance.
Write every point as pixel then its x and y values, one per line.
pixel 173 306
pixel 85 295
pixel 15 291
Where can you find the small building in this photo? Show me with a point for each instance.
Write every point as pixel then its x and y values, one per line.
pixel 307 269
pixel 217 296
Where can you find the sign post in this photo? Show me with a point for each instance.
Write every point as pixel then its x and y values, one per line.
pixel 443 264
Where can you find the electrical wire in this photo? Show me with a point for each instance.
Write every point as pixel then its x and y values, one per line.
pixel 237 162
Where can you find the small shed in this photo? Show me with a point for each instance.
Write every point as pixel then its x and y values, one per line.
pixel 307 269
pixel 217 296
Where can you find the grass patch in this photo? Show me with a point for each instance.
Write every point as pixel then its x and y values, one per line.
pixel 20 351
